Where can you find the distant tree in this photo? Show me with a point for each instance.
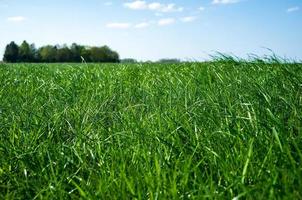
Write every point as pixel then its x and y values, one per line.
pixel 48 53
pixel 26 53
pixel 96 54
pixel 169 60
pixel 35 53
pixel 11 53
pixel 57 53
pixel 64 54
pixel 77 51
pixel 85 54
pixel 108 55
pixel 128 60
pixel 103 54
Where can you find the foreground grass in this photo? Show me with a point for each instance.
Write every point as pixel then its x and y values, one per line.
pixel 218 130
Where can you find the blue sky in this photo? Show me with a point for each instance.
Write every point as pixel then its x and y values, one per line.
pixel 153 29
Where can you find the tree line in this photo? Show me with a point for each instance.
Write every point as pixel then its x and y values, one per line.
pixel 75 53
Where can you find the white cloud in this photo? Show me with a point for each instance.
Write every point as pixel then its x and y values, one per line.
pixel 164 7
pixel 16 19
pixel 201 8
pixel 225 1
pixel 166 21
pixel 188 19
pixel 153 6
pixel 108 3
pixel 142 25
pixel 118 25
pixel 293 9
pixel 136 5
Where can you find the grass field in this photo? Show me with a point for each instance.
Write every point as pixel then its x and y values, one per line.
pixel 218 130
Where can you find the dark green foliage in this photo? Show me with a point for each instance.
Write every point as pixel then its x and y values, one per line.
pixel 219 130
pixel 129 60
pixel 11 53
pixel 169 60
pixel 26 52
pixel 64 54
pixel 103 54
pixel 34 53
pixel 50 54
pixel 77 51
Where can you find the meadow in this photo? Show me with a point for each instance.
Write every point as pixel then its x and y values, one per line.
pixel 225 129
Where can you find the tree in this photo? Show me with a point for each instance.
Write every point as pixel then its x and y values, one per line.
pixel 169 60
pixel 48 53
pixel 77 51
pixel 129 60
pixel 26 53
pixel 103 54
pixel 95 54
pixel 11 53
pixel 35 53
pixel 64 54
pixel 57 53
pixel 109 55
pixel 85 53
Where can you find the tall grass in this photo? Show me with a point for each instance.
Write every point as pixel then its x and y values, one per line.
pixel 220 130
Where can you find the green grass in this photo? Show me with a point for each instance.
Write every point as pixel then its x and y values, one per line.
pixel 217 130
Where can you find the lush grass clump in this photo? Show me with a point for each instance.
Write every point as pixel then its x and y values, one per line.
pixel 218 130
